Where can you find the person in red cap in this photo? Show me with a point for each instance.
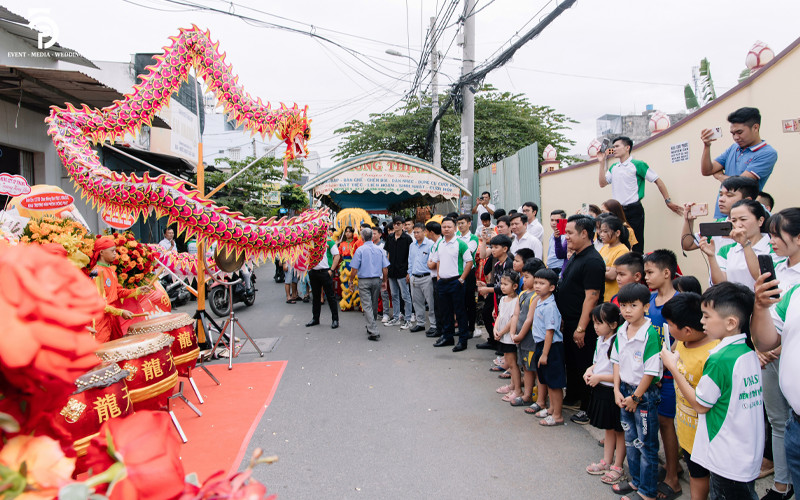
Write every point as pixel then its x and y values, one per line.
pixel 107 325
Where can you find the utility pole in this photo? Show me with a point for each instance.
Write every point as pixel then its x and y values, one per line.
pixel 437 151
pixel 468 98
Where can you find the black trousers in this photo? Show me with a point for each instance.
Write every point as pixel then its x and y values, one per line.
pixel 437 306
pixel 577 360
pixel 488 320
pixel 321 280
pixel 451 297
pixel 470 286
pixel 635 215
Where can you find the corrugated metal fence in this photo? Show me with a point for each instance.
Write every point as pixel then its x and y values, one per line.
pixel 512 181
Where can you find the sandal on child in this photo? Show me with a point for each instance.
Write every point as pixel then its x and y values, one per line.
pixel 622 488
pixel 503 390
pixel 533 409
pixel 497 368
pixel 519 402
pixel 598 469
pixel 543 413
pixel 509 397
pixel 504 375
pixel 613 475
pixel 549 421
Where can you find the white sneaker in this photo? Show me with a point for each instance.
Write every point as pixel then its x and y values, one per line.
pixel 406 325
pixel 477 334
pixel 385 319
pixel 394 322
pixel 413 318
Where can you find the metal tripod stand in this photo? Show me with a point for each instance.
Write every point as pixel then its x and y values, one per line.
pixel 228 329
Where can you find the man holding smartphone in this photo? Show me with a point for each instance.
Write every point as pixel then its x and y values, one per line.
pixel 749 156
pixel 483 205
pixel 627 178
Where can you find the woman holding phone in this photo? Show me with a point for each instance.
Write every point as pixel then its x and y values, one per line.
pixel 738 261
pixel 784 231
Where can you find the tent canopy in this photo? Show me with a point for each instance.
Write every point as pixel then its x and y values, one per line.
pixel 383 180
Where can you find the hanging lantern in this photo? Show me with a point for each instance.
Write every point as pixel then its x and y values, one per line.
pixel 659 122
pixel 759 55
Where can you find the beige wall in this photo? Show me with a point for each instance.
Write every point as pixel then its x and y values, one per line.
pixel 773 90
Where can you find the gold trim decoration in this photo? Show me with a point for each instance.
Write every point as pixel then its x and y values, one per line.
pixel 187 357
pixel 73 410
pixel 161 324
pixel 154 390
pixel 81 446
pixel 131 372
pixel 134 346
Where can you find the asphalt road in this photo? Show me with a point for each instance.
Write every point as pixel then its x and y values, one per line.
pixel 399 418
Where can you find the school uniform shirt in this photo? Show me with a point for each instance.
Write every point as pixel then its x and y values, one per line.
pixel 690 366
pixel 638 356
pixel 610 255
pixel 546 317
pixel 452 256
pixel 601 361
pixel 327 259
pixel 788 276
pixel 730 437
pixel 471 240
pixel 627 180
pixel 758 159
pixel 527 241
pixel 731 260
pixel 786 316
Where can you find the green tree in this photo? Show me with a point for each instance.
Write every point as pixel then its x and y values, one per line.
pixel 245 193
pixel 504 124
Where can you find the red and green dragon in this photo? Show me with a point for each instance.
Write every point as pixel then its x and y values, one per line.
pixel 75 130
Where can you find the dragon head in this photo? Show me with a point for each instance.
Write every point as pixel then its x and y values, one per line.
pixel 294 129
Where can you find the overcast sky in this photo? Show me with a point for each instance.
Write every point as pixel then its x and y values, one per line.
pixel 598 57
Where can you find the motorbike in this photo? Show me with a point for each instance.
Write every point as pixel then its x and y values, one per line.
pixel 177 293
pixel 218 298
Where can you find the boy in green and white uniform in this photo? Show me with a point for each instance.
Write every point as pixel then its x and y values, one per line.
pixel 729 441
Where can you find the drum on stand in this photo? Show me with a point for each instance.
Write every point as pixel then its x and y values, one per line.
pixel 179 326
pixel 101 394
pixel 152 372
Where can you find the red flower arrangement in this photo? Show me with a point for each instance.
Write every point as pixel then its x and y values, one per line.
pixel 134 264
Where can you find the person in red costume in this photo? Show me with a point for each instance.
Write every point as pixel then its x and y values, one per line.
pixel 107 326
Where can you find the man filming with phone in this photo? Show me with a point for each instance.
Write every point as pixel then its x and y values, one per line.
pixel 627 178
pixel 749 156
pixel 483 205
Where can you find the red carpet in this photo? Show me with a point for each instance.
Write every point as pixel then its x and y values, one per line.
pixel 218 440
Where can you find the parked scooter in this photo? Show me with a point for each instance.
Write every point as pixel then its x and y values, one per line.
pixel 218 294
pixel 177 293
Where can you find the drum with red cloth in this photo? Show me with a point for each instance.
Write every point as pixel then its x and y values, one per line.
pixel 181 327
pixel 148 358
pixel 101 395
pixel 156 301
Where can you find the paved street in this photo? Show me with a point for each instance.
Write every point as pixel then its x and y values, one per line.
pixel 399 418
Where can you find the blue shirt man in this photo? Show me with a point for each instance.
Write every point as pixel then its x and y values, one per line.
pixel 749 156
pixel 369 261
pixel 418 255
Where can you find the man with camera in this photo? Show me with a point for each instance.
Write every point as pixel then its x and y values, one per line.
pixel 483 205
pixel 749 156
pixel 627 178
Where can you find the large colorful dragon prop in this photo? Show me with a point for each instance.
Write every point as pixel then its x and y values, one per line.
pixel 74 131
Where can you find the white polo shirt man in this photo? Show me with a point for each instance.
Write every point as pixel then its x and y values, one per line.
pixel 451 256
pixel 327 259
pixel 527 241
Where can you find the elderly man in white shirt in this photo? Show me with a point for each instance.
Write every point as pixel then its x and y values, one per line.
pixel 522 238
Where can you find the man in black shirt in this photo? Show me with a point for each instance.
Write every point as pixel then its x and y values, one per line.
pixel 397 245
pixel 581 288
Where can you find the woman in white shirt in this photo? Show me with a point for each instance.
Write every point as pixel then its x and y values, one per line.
pixel 738 262
pixel 784 230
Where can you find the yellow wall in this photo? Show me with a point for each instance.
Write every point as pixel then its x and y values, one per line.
pixel 773 91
